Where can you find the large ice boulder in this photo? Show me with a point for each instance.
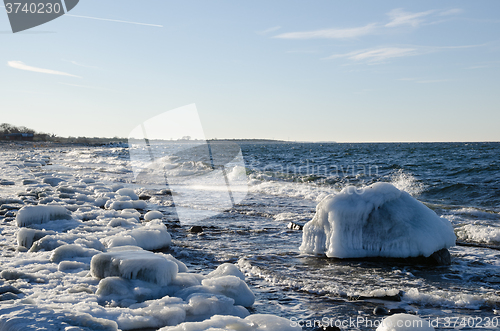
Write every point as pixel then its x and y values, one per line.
pixel 378 220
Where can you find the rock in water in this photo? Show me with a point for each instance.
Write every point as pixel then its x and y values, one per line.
pixel 441 257
pixel 376 221
pixel 295 226
pixel 196 229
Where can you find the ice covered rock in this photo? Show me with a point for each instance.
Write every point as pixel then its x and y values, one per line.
pixel 128 192
pixel 404 322
pixel 71 251
pixel 153 214
pixel 52 181
pixel 29 215
pixel 379 220
pixel 134 264
pixel 153 235
pixel 30 317
pixel 257 322
pixel 226 269
pixel 230 286
pixel 26 237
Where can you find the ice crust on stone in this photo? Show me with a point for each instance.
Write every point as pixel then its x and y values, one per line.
pixel 256 322
pixel 141 265
pixel 404 322
pixel 153 214
pixel 379 220
pixel 29 215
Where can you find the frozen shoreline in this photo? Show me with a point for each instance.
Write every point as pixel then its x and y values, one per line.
pixel 75 255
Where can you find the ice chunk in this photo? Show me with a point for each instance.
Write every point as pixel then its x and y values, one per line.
pixel 226 269
pixel 257 322
pixel 70 251
pixel 26 237
pixel 379 220
pixel 152 236
pixel 28 317
pixel 404 322
pixel 130 264
pixel 203 305
pixel 40 214
pixel 128 192
pixel 230 286
pixel 52 181
pixel 71 265
pixel 153 214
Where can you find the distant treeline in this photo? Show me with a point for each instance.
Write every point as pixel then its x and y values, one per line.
pixel 12 132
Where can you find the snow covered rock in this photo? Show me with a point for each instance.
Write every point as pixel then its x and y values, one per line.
pixel 379 220
pixel 153 235
pixel 40 214
pixel 229 286
pixel 404 322
pixel 256 322
pixel 153 214
pixel 26 237
pixel 134 264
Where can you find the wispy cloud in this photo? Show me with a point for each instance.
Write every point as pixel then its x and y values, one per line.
pixel 21 66
pixel 377 55
pixel 118 21
pixel 267 31
pixel 431 81
pixel 381 54
pixel 80 64
pixel 331 33
pixel 454 11
pixel 400 17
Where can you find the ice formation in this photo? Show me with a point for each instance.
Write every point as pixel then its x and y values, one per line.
pixel 404 322
pixel 29 215
pixel 378 220
pixel 257 322
pixel 136 264
pixel 153 214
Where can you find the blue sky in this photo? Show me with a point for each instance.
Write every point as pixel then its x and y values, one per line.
pixel 346 71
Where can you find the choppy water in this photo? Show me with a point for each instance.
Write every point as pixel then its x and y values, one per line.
pixel 459 181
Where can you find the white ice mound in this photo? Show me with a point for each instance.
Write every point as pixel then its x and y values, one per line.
pixel 134 264
pixel 40 214
pixel 404 322
pixel 257 322
pixel 379 220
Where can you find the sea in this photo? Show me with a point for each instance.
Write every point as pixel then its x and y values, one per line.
pixel 257 189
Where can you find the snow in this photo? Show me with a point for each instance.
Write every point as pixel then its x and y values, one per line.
pixel 141 265
pixel 404 322
pixel 378 220
pixel 29 215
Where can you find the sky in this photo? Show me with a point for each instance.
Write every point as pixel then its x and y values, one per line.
pixel 345 71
